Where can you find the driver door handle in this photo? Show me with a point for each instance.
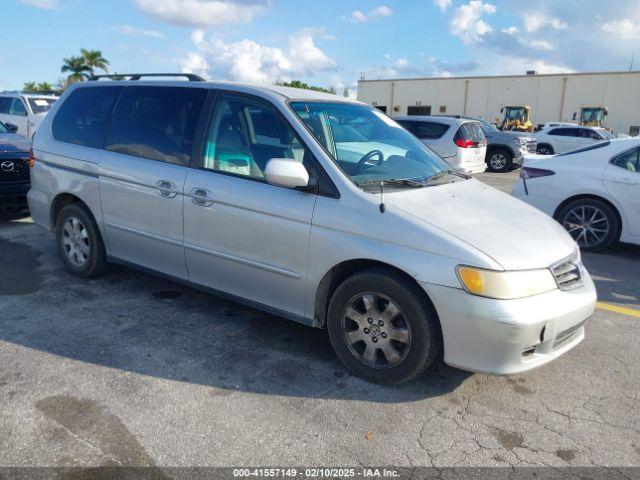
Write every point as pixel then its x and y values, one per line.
pixel 201 197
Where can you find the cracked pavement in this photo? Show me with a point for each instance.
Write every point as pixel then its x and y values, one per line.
pixel 129 369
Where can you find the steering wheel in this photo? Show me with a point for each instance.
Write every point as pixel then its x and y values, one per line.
pixel 369 156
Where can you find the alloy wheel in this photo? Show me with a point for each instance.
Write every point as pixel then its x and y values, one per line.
pixel 75 241
pixel 376 331
pixel 498 161
pixel 588 225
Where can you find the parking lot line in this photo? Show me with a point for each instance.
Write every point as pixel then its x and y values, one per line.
pixel 624 311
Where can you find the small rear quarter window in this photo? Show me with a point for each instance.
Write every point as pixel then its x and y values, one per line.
pixel 425 130
pixel 82 118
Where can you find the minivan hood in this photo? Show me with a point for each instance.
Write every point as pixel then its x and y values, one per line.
pixel 514 234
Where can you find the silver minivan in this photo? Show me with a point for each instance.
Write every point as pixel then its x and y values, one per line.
pixel 313 207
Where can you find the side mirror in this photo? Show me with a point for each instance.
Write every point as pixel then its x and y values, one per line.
pixel 11 127
pixel 286 172
pixel 502 110
pixel 575 115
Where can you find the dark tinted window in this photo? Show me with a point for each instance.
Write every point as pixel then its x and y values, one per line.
pixel 419 110
pixel 586 133
pixel 565 132
pixel 470 131
pixel 4 104
pixel 425 130
pixel 158 123
pixel 82 118
pixel 628 160
pixel 17 108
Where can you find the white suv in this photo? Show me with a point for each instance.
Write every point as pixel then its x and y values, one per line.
pixel 460 141
pixel 25 110
pixel 558 138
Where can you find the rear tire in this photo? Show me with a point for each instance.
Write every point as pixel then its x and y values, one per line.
pixel 545 149
pixel 382 328
pixel 499 160
pixel 80 244
pixel 592 223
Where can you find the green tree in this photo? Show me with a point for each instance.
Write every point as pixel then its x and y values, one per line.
pixel 30 87
pixel 94 60
pixel 304 86
pixel 45 87
pixel 77 69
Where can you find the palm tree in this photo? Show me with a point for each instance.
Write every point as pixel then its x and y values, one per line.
pixel 45 87
pixel 30 87
pixel 77 68
pixel 94 60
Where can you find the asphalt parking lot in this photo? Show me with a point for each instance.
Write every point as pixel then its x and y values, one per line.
pixel 128 369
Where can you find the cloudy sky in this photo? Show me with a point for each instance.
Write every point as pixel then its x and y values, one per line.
pixel 328 42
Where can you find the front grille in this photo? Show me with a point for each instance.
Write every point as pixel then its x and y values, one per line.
pixel 566 335
pixel 567 273
pixel 14 170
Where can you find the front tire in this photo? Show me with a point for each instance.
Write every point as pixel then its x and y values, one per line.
pixel 382 328
pixel 500 161
pixel 79 242
pixel 592 223
pixel 545 149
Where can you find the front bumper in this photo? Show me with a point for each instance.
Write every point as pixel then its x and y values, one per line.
pixel 13 197
pixel 14 189
pixel 506 337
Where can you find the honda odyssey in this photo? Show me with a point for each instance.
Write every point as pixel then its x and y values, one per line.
pixel 313 207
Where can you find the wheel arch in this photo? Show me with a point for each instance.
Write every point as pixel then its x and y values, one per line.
pixel 584 196
pixel 499 146
pixel 62 200
pixel 340 272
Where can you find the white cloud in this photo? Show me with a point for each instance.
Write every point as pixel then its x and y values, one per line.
pixel 468 22
pixel 133 31
pixel 249 61
pixel 44 4
pixel 358 16
pixel 624 29
pixel 534 21
pixel 511 30
pixel 443 5
pixel 541 45
pixel 202 13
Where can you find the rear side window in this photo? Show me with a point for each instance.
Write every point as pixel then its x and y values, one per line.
pixel 565 132
pixel 425 130
pixel 82 118
pixel 158 123
pixel 628 160
pixel 4 104
pixel 470 131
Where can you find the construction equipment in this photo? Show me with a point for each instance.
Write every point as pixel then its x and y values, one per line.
pixel 517 118
pixel 592 116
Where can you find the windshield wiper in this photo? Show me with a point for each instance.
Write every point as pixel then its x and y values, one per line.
pixel 441 174
pixel 395 181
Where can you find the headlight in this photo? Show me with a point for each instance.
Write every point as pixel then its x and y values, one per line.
pixel 506 285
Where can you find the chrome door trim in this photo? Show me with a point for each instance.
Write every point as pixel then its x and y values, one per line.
pixel 145 234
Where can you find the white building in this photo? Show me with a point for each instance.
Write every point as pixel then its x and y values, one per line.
pixel 551 97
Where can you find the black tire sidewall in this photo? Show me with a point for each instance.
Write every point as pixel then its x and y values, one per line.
pixel 508 164
pixel 426 337
pixel 547 147
pixel 614 224
pixel 97 256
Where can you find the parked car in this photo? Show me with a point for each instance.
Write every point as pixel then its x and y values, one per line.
pixel 263 194
pixel 25 110
pixel 14 169
pixel 506 148
pixel 459 141
pixel 563 139
pixel 593 192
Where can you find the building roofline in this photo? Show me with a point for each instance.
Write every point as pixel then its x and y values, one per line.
pixel 484 77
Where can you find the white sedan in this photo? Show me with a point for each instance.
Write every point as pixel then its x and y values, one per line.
pixel 562 138
pixel 593 192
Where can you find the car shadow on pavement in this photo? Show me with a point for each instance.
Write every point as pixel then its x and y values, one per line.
pixel 135 322
pixel 616 273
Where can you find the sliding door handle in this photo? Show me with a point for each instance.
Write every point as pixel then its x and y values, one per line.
pixel 201 197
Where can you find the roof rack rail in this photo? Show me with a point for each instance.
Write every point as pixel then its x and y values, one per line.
pixel 192 77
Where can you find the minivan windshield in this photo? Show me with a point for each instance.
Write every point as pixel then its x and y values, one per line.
pixel 369 146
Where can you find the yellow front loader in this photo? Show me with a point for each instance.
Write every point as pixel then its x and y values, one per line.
pixel 517 118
